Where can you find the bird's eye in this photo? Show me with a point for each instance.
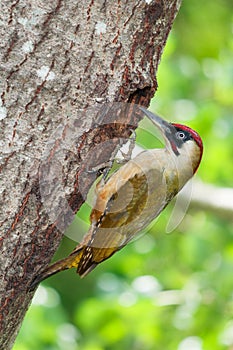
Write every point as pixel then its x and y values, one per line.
pixel 180 135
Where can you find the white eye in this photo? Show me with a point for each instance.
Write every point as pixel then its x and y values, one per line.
pixel 180 135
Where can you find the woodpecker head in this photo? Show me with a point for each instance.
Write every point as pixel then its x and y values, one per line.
pixel 181 140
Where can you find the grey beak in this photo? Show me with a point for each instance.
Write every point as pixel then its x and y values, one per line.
pixel 167 129
pixel 164 126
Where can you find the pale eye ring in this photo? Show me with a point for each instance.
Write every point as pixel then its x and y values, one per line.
pixel 180 135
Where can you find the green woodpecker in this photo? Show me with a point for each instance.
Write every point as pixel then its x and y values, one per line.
pixel 133 196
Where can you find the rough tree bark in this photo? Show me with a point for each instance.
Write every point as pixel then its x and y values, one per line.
pixel 58 59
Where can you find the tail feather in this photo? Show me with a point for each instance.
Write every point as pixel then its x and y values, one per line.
pixel 91 257
pixel 61 265
pixel 85 272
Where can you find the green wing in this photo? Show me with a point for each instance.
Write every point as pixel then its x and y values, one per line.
pixel 121 220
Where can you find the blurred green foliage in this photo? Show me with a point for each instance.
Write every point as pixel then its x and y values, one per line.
pixel 164 291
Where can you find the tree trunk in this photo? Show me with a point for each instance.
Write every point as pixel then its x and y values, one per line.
pixel 62 63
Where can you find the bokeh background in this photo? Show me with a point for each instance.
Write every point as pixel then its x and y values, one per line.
pixel 164 291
